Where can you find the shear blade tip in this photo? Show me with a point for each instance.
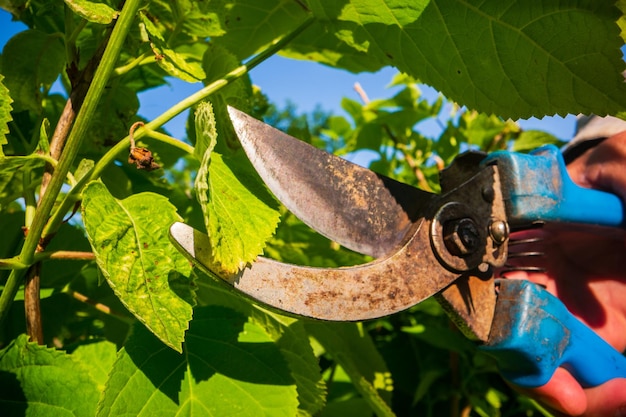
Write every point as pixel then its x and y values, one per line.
pixel 234 113
pixel 182 235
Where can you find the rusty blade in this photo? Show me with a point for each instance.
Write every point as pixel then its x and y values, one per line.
pixel 364 211
pixel 362 292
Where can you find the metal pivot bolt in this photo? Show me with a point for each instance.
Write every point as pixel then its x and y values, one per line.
pixel 461 237
pixel 499 231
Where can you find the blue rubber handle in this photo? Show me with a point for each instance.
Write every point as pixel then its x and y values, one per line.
pixel 537 187
pixel 533 334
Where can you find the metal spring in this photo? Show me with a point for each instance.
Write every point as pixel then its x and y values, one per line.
pixel 534 241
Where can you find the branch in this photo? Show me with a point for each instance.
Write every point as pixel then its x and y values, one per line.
pixel 65 255
pixel 100 307
pixel 32 306
pixel 80 88
pixel 362 93
pixel 74 139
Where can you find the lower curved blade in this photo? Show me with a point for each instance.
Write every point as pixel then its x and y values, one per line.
pixel 363 211
pixel 362 292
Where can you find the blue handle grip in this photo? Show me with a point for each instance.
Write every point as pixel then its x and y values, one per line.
pixel 537 187
pixel 533 334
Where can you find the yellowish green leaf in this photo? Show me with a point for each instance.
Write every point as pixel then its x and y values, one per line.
pixel 130 240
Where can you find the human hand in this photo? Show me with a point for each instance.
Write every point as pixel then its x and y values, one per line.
pixel 587 271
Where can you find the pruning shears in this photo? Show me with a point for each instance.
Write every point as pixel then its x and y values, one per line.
pixel 443 245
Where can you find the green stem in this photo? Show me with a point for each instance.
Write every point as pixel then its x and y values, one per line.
pixel 30 202
pixel 12 263
pixel 162 137
pixel 75 138
pixel 142 59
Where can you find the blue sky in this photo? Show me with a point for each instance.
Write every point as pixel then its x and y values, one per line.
pixel 306 84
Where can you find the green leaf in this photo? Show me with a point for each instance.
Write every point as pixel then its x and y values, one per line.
pixel 229 366
pixel 290 336
pixel 504 57
pixel 84 167
pixel 91 11
pixel 130 240
pixel 26 73
pixel 168 59
pixel 529 140
pixel 239 213
pixel 38 381
pixel 12 169
pixel 194 18
pixel 254 24
pixel 60 272
pixel 98 358
pixel 12 236
pixel 218 61
pixel 353 349
pixel 5 114
pixel 441 337
pixel 296 243
pixel 621 22
pixel 206 133
pixel 44 133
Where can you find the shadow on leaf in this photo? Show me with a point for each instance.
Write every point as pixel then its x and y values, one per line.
pixel 220 344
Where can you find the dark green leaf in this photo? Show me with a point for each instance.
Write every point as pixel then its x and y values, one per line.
pixel 58 273
pixel 352 348
pixel 12 236
pixel 26 73
pixel 253 24
pixel 229 366
pixel 441 337
pixel 38 381
pixel 12 170
pixel 495 57
pixel 289 335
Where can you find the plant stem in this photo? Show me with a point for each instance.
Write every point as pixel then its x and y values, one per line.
pixel 100 307
pixel 12 263
pixel 70 151
pixel 32 306
pixel 162 137
pixel 144 58
pixel 65 255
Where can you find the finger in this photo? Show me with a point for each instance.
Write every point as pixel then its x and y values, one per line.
pixel 608 399
pixel 602 167
pixel 562 393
